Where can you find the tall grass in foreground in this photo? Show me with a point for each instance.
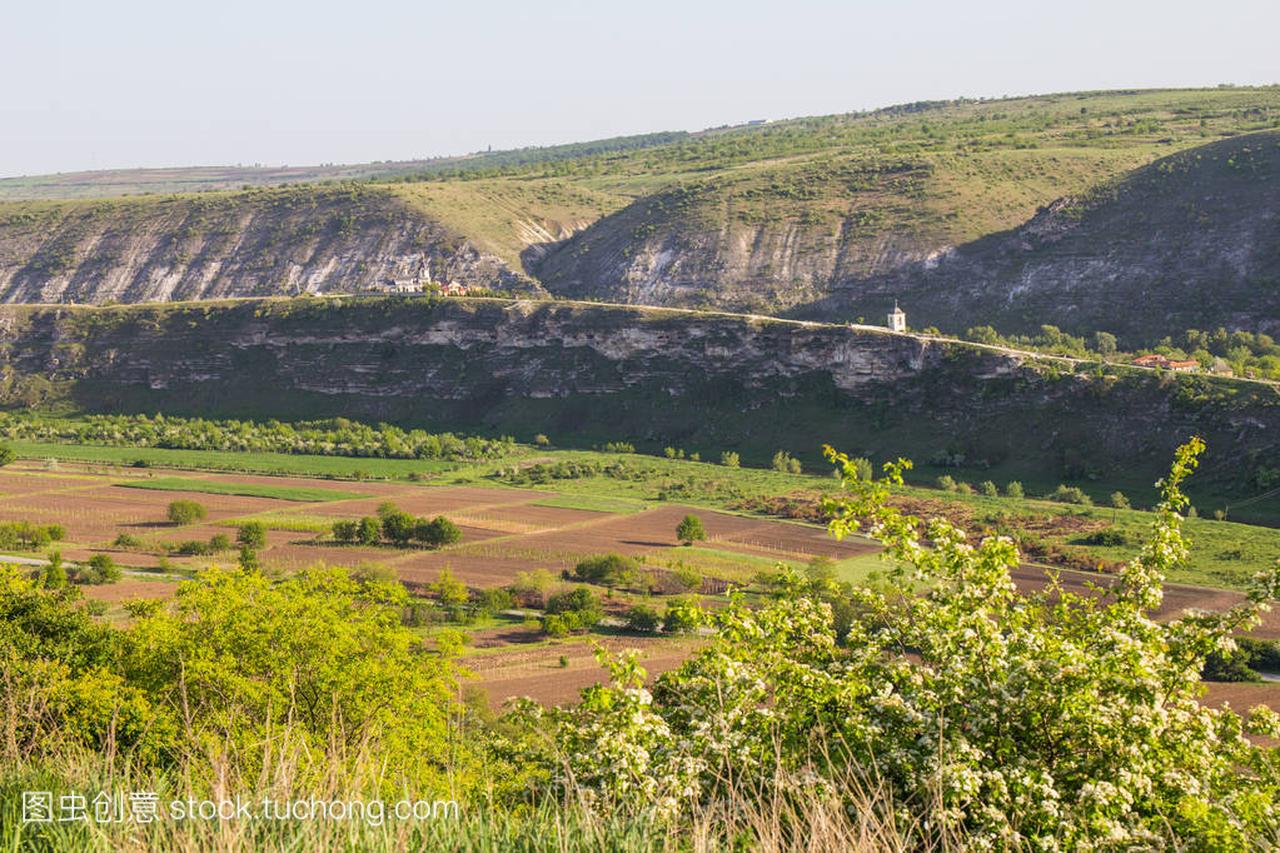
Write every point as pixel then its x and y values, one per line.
pixel 789 816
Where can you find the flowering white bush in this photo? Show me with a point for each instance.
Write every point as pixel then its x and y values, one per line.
pixel 1051 721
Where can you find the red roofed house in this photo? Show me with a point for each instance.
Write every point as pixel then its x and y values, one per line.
pixel 1157 360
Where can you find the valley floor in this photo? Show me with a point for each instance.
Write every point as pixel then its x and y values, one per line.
pixel 507 531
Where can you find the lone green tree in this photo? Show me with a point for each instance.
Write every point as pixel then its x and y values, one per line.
pixel 184 511
pixel 451 592
pixel 101 569
pixel 55 573
pixel 1104 343
pixel 252 534
pixel 690 530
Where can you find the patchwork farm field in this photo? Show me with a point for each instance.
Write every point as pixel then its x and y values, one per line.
pixel 508 535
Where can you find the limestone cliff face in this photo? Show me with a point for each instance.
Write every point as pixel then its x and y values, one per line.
pixel 1191 241
pixel 415 347
pixel 735 248
pixel 586 374
pixel 269 242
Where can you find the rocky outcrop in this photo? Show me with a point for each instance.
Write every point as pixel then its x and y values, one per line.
pixel 267 242
pixel 589 374
pixel 1191 241
pixel 743 245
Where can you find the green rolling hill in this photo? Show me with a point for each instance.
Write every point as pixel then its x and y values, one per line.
pixel 1013 212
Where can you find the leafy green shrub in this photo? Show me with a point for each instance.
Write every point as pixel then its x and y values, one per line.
pixel 248 559
pixel 7 455
pixel 346 531
pixel 1243 662
pixel 557 625
pixel 729 459
pixel 397 526
pixel 1263 654
pixel 99 569
pixel 495 600
pixel 786 463
pixel 618 447
pixel 1230 666
pixel 1110 537
pixel 531 587
pixel 437 532
pixel 1069 495
pixel 450 592
pixel 252 534
pixel 127 540
pixel 220 542
pixel 1095 737
pixel 578 599
pixel 418 614
pixel 946 482
pixel 989 489
pixel 683 616
pixel 333 437
pixel 193 548
pixel 607 569
pixel 1014 490
pixel 643 618
pixel 26 536
pixel 687 576
pixel 369 531
pixel 54 574
pixel 184 511
pixel 576 609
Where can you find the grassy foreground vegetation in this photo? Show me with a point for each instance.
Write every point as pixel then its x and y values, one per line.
pixel 1050 721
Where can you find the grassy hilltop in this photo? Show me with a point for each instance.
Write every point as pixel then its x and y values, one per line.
pixel 766 217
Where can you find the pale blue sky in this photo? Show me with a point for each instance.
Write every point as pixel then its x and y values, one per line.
pixel 92 84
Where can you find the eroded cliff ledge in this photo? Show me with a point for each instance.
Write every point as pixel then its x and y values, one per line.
pixel 589 373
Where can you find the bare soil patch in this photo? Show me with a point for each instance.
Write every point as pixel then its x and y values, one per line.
pixel 538 673
pixel 128 589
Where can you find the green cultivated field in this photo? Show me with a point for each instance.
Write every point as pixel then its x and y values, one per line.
pixel 1223 553
pixel 281 464
pixel 252 490
pixel 594 503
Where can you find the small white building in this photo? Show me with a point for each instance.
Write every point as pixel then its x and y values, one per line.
pixel 897 318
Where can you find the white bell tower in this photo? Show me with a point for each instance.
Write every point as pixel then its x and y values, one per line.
pixel 897 318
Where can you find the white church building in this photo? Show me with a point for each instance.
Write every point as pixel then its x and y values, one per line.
pixel 897 318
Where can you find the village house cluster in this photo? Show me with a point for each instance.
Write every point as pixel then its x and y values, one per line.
pixel 413 275
pixel 1157 360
